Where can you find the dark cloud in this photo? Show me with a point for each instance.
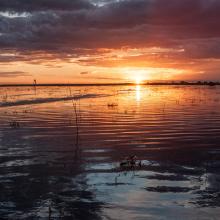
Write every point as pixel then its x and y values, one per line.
pixel 84 73
pixel 42 5
pixel 54 29
pixel 13 74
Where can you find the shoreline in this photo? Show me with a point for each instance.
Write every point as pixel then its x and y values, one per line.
pixel 114 84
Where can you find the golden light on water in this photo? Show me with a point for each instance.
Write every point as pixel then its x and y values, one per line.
pixel 138 93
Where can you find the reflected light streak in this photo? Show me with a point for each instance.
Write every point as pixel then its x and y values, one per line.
pixel 138 93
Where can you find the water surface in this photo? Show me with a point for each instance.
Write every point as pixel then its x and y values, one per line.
pixel 173 130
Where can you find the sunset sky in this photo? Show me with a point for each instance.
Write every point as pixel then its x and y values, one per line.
pixel 102 41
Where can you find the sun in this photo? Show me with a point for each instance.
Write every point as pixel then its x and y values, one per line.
pixel 136 75
pixel 138 80
pixel 139 77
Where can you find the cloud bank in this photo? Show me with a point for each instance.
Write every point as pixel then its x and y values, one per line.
pixel 87 30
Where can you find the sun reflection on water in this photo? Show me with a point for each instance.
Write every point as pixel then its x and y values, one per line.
pixel 138 93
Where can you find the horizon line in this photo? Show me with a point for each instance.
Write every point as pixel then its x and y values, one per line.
pixel 114 84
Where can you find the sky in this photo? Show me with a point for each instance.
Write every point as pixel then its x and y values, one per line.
pixel 109 41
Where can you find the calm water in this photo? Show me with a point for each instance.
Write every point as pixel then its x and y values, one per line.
pixel 175 131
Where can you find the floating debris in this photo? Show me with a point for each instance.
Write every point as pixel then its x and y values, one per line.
pixel 130 162
pixel 112 105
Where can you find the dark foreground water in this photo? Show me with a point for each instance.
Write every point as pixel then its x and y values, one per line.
pixel 48 171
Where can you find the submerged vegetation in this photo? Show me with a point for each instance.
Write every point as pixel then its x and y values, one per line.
pixel 77 117
pixel 14 124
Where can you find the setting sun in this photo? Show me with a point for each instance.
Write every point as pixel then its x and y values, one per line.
pixel 137 75
pixel 140 75
pixel 138 80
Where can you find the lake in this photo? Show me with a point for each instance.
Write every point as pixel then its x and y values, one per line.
pixel 61 148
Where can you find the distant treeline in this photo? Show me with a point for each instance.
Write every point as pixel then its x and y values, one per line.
pixel 208 83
